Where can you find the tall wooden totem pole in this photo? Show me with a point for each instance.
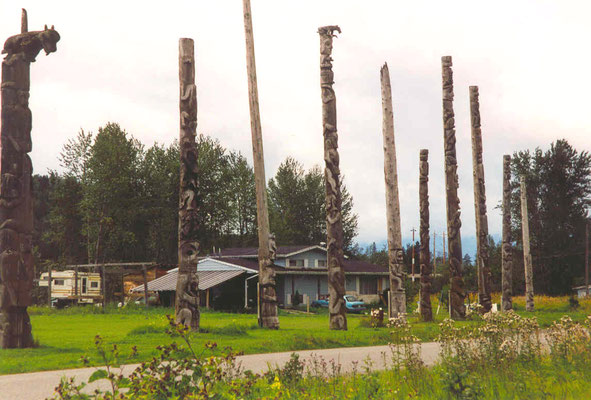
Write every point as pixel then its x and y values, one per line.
pixel 507 250
pixel 424 256
pixel 484 275
pixel 187 287
pixel 16 202
pixel 454 241
pixel 527 261
pixel 267 293
pixel 397 305
pixel 334 221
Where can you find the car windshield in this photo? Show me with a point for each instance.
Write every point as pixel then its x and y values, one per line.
pixel 350 298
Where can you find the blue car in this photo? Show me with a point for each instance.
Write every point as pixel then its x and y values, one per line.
pixel 353 305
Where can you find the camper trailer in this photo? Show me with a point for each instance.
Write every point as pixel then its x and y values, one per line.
pixel 64 289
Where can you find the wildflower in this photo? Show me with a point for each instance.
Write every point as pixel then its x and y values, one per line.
pixel 276 385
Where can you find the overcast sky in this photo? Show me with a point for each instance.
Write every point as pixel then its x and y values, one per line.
pixel 118 61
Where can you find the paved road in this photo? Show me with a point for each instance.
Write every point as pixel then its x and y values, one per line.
pixel 40 385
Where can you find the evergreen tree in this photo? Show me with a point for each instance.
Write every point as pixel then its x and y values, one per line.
pixel 297 210
pixel 558 191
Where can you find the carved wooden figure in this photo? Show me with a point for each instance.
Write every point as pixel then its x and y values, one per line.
pixel 187 289
pixel 424 256
pixel 267 295
pixel 527 261
pixel 396 268
pixel 507 250
pixel 484 275
pixel 16 202
pixel 454 240
pixel 334 223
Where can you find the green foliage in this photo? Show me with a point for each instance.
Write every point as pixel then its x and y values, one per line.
pixel 501 359
pixel 159 174
pixel 118 201
pixel 297 211
pixel 558 191
pixel 64 220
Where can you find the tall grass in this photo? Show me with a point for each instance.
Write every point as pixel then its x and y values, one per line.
pixel 500 359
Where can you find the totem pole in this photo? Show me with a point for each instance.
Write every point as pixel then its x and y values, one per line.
pixel 484 275
pixel 507 251
pixel 527 262
pixel 16 202
pixel 454 241
pixel 267 295
pixel 187 287
pixel 424 256
pixel 397 305
pixel 334 222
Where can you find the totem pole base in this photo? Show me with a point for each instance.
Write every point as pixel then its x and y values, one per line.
pixel 15 329
pixel 398 304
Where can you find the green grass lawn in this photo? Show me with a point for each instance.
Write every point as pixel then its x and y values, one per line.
pixel 64 336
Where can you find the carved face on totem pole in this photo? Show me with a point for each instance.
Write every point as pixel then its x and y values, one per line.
pixel 272 247
pixel 29 44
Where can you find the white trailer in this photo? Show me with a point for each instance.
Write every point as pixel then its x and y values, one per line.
pixel 65 290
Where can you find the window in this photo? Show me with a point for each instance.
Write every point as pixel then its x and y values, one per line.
pixel 369 285
pixel 58 282
pixel 296 263
pixel 93 284
pixel 322 263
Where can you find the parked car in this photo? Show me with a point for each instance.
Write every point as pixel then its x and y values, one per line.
pixel 351 302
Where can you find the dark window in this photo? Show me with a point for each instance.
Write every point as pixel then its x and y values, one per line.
pixel 296 263
pixel 369 285
pixel 58 282
pixel 93 284
pixel 322 263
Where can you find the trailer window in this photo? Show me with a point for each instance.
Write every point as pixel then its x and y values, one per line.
pixel 58 282
pixel 93 284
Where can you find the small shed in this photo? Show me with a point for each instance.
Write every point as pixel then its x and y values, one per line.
pixel 582 291
pixel 220 282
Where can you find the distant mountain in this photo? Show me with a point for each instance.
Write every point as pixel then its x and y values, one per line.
pixel 468 244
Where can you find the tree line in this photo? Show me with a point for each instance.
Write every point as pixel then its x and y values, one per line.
pixel 117 201
pixel 558 197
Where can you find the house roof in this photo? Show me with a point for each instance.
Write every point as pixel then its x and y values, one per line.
pixel 350 266
pixel 252 252
pixel 207 279
pixel 244 264
pixel 363 266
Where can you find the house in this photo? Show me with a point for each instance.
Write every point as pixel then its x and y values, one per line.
pixel 69 286
pixel 228 278
pixel 303 269
pixel 582 291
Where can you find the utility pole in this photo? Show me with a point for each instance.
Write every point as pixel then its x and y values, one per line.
pixel 413 230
